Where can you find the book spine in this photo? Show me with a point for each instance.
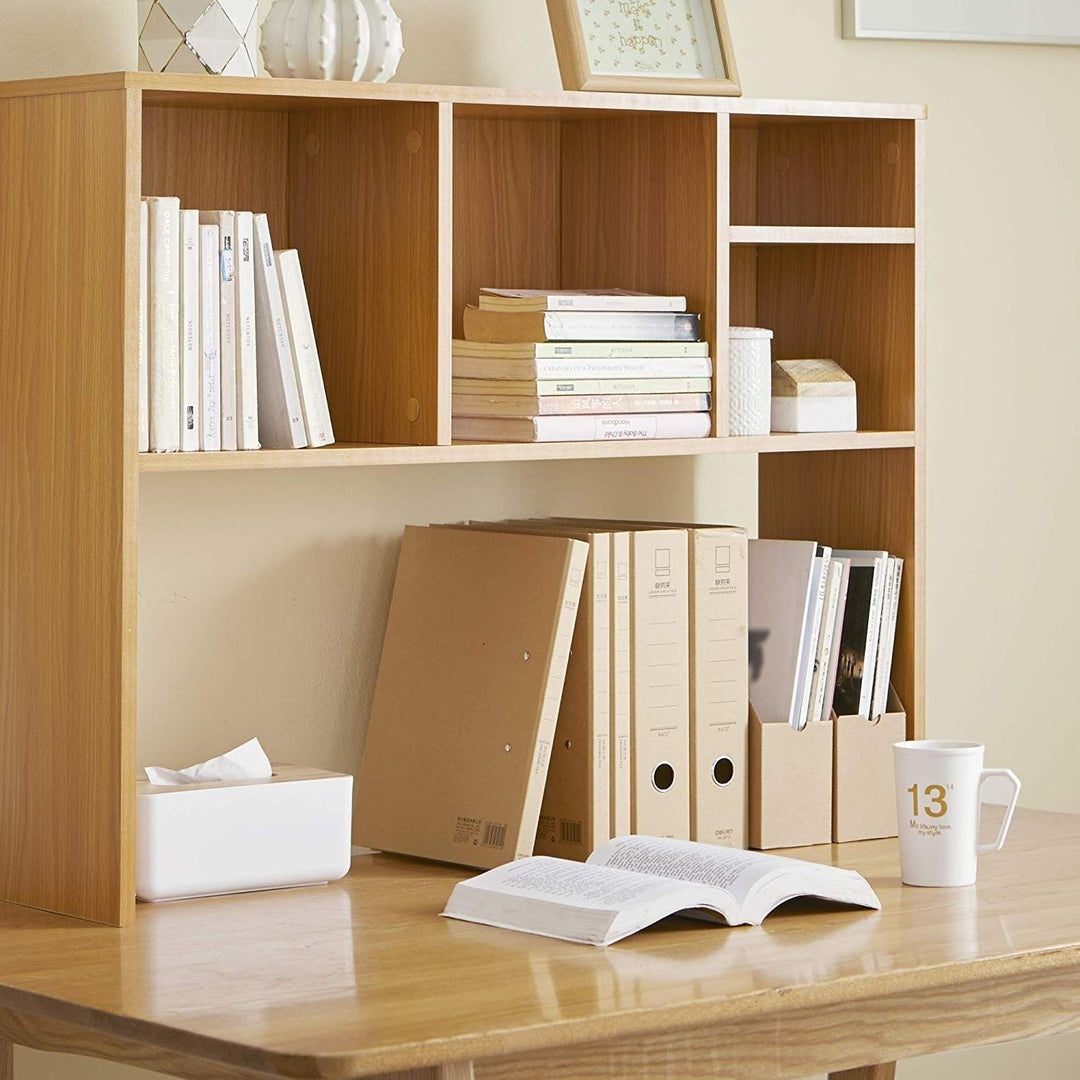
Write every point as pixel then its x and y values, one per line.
pixel 226 223
pixel 834 652
pixel 824 646
pixel 484 405
pixel 247 384
pixel 660 680
pixel 691 367
pixel 618 427
pixel 191 344
pixel 580 350
pixel 549 712
pixel 888 639
pixel 620 684
pixel 164 366
pixel 144 327
pixel 584 302
pixel 877 600
pixel 821 579
pixel 621 326
pixel 305 352
pixel 281 417
pixel 600 687
pixel 210 314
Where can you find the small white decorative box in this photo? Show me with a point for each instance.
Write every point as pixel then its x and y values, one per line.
pixel 241 836
pixel 813 395
pixel 751 353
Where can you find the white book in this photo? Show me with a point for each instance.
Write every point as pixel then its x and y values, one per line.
pixel 634 881
pixel 833 664
pixel 225 220
pixel 247 377
pixel 614 428
pixel 810 635
pixel 309 377
pixel 210 314
pixel 862 624
pixel 557 367
pixel 543 388
pixel 144 327
pixel 825 638
pixel 887 638
pixel 191 345
pixel 164 330
pixel 572 300
pixel 579 350
pixel 584 405
pixel 281 416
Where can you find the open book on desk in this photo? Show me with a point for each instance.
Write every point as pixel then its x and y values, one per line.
pixel 634 881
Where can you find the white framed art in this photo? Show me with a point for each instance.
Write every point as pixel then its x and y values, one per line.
pixel 1037 22
pixel 648 46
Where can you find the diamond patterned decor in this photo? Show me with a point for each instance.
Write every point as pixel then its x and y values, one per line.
pixel 205 37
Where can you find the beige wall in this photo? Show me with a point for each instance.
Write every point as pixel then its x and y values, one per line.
pixel 262 595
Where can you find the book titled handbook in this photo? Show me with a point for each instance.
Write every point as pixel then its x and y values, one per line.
pixel 634 881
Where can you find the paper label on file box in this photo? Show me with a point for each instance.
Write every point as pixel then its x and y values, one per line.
pixel 608 428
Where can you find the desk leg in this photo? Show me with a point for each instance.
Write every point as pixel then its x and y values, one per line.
pixel 867 1072
pixel 7 1059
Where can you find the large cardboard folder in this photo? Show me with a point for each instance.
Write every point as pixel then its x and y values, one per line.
pixel 468 694
pixel 575 817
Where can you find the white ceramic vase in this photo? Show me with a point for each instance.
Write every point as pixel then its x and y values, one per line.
pixel 751 381
pixel 354 40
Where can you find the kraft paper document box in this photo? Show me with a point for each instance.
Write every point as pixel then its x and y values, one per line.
pixel 468 693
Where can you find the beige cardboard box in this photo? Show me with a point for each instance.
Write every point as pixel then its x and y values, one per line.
pixel 864 802
pixel 791 784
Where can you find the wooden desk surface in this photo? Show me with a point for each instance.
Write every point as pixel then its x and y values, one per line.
pixel 361 977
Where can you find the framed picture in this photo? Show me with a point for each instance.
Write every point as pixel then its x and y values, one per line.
pixel 648 46
pixel 1040 22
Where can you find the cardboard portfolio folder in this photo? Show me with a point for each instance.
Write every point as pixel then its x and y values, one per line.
pixel 575 817
pixel 468 694
pixel 864 804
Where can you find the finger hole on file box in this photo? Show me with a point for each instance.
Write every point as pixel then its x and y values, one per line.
pixel 723 771
pixel 663 777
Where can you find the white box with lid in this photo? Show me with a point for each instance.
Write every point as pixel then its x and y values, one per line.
pixel 750 411
pixel 241 836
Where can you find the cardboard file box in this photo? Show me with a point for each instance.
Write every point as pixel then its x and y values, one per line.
pixel 791 784
pixel 864 802
pixel 206 839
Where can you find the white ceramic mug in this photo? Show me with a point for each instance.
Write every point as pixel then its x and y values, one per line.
pixel 938 801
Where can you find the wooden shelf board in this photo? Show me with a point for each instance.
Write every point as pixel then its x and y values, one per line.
pixel 460 453
pixel 814 234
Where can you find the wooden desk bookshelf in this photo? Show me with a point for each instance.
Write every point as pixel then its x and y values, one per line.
pixel 806 217
pixel 362 978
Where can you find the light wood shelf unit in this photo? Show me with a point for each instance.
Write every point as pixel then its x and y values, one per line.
pixel 802 216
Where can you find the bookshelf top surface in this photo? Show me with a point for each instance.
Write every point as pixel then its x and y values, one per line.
pixel 361 976
pixel 306 93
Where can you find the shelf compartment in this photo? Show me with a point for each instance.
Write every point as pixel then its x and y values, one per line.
pixel 823 173
pixel 359 188
pixel 590 202
pixel 818 234
pixel 460 453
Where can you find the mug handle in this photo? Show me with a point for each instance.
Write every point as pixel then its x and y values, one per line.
pixel 987 849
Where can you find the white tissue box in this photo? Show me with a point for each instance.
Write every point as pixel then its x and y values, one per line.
pixel 240 836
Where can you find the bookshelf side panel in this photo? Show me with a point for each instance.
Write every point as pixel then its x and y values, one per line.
pixel 857 499
pixel 367 198
pixel 641 209
pixel 68 294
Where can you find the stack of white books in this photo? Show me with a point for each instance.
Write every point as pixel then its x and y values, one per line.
pixel 227 353
pixel 540 366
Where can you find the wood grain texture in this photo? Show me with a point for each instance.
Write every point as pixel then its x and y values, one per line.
pixel 7 1059
pixel 345 456
pixel 68 231
pixel 847 173
pixel 219 159
pixel 364 978
pixel 366 188
pixel 631 221
pixel 858 500
pixel 886 1071
pixel 507 175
